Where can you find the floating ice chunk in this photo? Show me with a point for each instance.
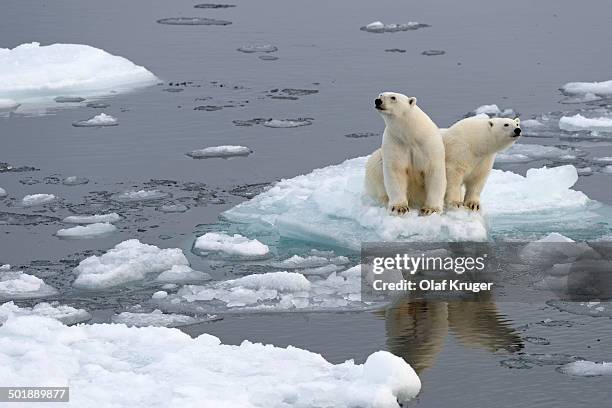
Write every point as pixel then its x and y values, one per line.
pixel 160 294
pixel 100 120
pixel 493 110
pixel 156 318
pixel 271 292
pixel 328 206
pixel 8 105
pixel 192 21
pixel 2 192
pixel 532 124
pixel 92 219
pixel 258 48
pixel 166 364
pixel 128 261
pixel 19 285
pixel 604 159
pixel 287 123
pixel 65 314
pixel 220 151
pixel 597 88
pixel 69 99
pixel 586 369
pixel 378 27
pixel 298 262
pixel 578 123
pixel 268 57
pixel 233 246
pixel 214 6
pixel 585 171
pixel 433 53
pixel 521 152
pixel 74 181
pixel 87 232
pixel 182 274
pixel 5 267
pixel 139 195
pixel 37 199
pixel 599 309
pixel 31 72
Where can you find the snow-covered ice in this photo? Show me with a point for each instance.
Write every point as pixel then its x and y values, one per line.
pixel 92 219
pixel 522 152
pixel 19 285
pixel 31 72
pixel 287 123
pixel 182 274
pixel 586 369
pixel 86 232
pixel 270 292
pixel 63 313
pixel 328 206
pixel 582 88
pixel 128 261
pixel 220 151
pixel 32 200
pixel 100 120
pixel 493 110
pixel 8 105
pixel 379 27
pixel 230 245
pixel 578 123
pixel 166 367
pixel 139 195
pixel 157 318
pixel 2 192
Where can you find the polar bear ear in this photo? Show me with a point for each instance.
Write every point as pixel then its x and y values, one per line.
pixel 490 123
pixel 518 121
pixel 412 101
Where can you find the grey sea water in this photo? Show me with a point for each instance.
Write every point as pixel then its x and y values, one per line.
pixel 327 72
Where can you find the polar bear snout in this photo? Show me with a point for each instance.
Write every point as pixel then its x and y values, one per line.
pixel 517 132
pixel 378 103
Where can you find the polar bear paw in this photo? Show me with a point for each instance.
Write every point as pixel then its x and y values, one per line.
pixel 399 208
pixel 429 210
pixel 455 204
pixel 472 205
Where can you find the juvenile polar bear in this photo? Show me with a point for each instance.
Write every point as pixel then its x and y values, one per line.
pixel 471 145
pixel 408 170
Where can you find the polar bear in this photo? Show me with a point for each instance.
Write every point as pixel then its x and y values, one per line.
pixel 408 170
pixel 470 146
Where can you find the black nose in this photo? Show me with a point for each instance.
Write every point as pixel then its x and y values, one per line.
pixel 377 101
pixel 517 131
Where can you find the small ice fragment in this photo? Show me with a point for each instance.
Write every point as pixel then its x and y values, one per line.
pixel 597 88
pixel 182 274
pixel 68 99
pixel 19 285
pixel 578 123
pixel 173 208
pixel 37 199
pixel 379 27
pixel 87 232
pixel 2 192
pixel 586 369
pixel 213 6
pixel 228 245
pixel 192 21
pixel 92 219
pixel 258 48
pixel 287 123
pixel 431 53
pixel 8 105
pixel 220 152
pixel 160 294
pixel 66 314
pixel 100 120
pixel 74 181
pixel 155 318
pixel 139 195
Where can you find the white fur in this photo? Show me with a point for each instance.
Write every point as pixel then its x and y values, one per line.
pixel 471 145
pixel 408 170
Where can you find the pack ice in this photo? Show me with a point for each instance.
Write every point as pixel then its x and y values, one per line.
pixel 33 72
pixel 63 313
pixel 167 368
pixel 328 206
pixel 87 231
pixel 128 261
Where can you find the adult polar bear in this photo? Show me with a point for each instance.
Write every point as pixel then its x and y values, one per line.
pixel 470 148
pixel 409 170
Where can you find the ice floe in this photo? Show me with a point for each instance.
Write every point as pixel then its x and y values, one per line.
pixel 193 21
pixel 521 152
pixel 379 27
pixel 63 313
pixel 100 120
pixel 220 151
pixel 158 319
pixel 328 206
pixel 32 200
pixel 74 181
pixel 249 49
pixel 86 232
pixel 270 292
pixel 92 219
pixel 230 246
pixel 586 369
pixel 173 208
pixel 182 274
pixel 139 195
pixel 583 88
pixel 167 365
pixel 578 123
pixel 2 192
pixel 128 261
pixel 19 285
pixel 31 72
pixel 433 53
pixel 8 105
pixel 287 123
pixel 69 99
pixel 494 110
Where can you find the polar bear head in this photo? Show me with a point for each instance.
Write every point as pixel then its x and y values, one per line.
pixel 394 104
pixel 504 131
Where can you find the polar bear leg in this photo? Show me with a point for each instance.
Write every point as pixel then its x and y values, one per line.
pixel 396 184
pixel 454 181
pixel 374 179
pixel 435 184
pixel 476 182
